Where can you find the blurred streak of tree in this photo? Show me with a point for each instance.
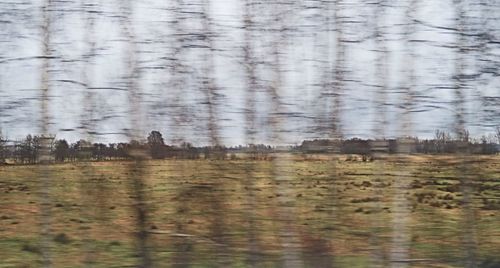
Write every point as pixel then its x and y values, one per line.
pixel 46 182
pixel 285 210
pixel 381 68
pixel 183 251
pixel 93 191
pixel 179 69
pixel 90 9
pixel 249 62
pixel 218 226
pixel 338 85
pixel 137 182
pixel 469 240
pixel 208 81
pixel 401 219
pixel 380 89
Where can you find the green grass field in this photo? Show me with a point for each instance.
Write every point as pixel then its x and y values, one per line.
pixel 240 213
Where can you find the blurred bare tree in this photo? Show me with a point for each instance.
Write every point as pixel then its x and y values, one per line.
pixel 45 176
pixel 137 182
pixel 462 48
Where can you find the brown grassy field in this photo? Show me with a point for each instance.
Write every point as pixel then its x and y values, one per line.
pixel 240 213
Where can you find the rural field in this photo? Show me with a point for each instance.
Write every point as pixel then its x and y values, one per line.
pixel 319 211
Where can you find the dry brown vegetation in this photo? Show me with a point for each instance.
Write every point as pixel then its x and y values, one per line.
pixel 202 212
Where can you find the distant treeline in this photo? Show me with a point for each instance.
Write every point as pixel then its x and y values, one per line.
pixel 27 151
pixel 443 143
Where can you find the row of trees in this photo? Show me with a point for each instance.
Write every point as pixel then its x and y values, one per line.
pixel 442 143
pixel 27 151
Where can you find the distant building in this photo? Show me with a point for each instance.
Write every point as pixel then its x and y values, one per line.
pixel 321 146
pixel 406 145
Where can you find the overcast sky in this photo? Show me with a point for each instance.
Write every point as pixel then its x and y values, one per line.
pixel 302 53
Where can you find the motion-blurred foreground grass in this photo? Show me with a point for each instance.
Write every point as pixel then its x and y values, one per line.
pixel 241 213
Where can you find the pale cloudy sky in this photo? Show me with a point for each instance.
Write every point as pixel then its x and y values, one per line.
pixel 302 54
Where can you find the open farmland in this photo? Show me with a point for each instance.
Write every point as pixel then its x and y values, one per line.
pixel 319 212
